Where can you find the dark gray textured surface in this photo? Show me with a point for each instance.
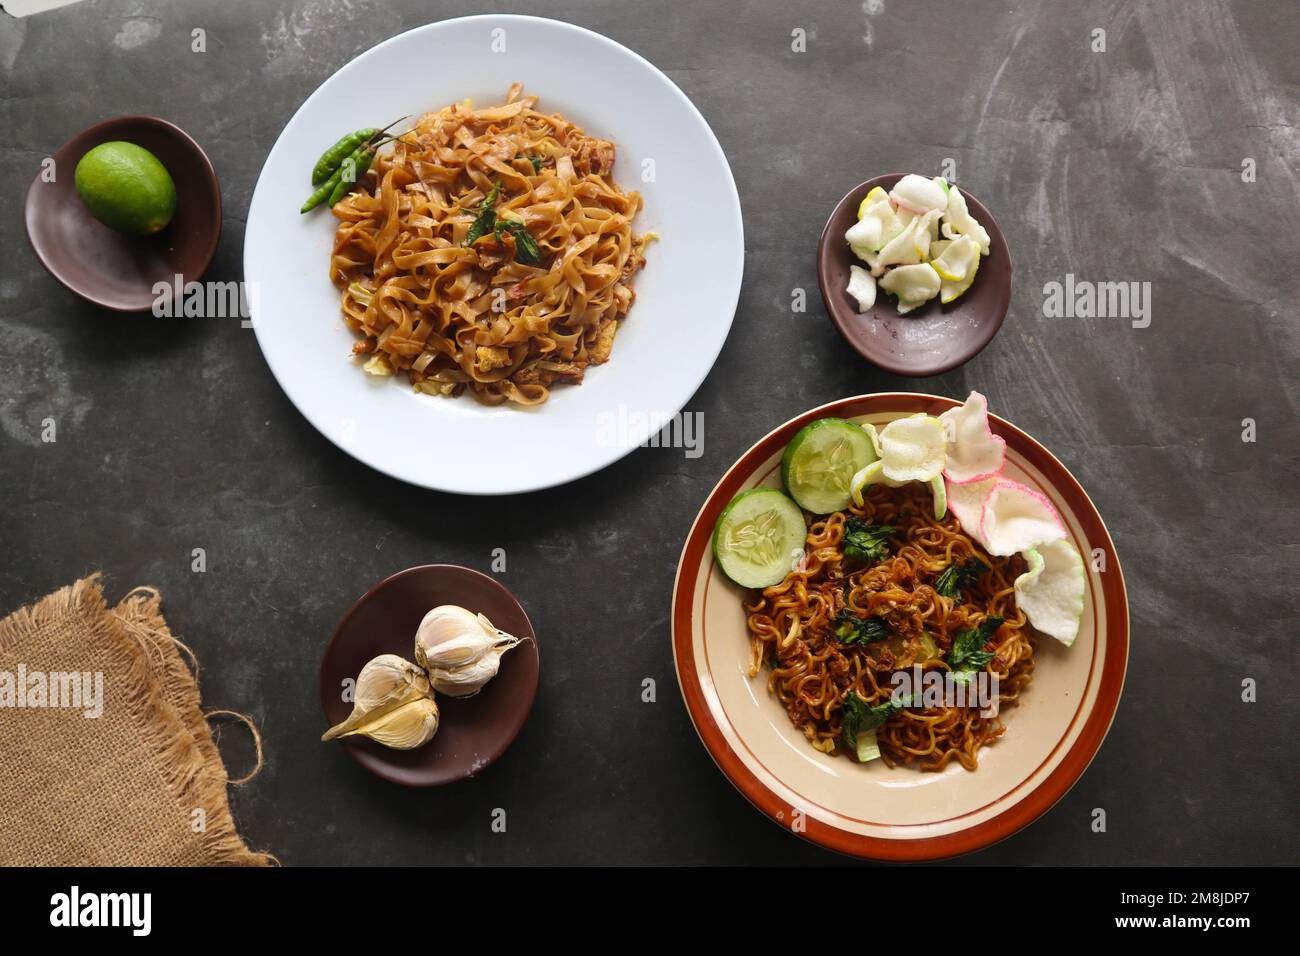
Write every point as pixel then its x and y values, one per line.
pixel 1123 165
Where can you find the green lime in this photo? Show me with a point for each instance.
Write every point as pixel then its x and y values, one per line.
pixel 126 188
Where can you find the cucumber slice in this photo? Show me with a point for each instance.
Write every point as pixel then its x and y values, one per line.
pixel 758 537
pixel 819 464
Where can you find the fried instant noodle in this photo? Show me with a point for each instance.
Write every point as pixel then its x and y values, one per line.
pixel 455 317
pixel 792 631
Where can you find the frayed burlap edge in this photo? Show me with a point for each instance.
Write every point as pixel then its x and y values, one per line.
pixel 176 732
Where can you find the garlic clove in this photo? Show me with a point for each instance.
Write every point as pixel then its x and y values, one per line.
pixel 406 727
pixel 387 688
pixel 388 677
pixel 456 652
pixel 468 680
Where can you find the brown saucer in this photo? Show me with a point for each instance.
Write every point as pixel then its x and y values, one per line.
pixel 106 267
pixel 932 339
pixel 472 732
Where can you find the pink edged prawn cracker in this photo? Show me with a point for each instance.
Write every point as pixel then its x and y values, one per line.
pixel 1015 518
pixel 974 452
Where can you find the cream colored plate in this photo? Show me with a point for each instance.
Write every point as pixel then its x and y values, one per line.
pixel 871 809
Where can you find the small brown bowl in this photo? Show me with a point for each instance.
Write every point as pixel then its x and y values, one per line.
pixel 472 731
pixel 932 339
pixel 109 268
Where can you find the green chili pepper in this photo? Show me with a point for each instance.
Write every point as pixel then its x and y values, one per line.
pixel 351 170
pixel 333 157
pixel 324 192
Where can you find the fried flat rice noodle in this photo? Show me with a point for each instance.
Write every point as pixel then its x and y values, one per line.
pixel 456 318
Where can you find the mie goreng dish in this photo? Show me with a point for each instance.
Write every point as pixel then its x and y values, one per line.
pixel 904 626
pixel 820 737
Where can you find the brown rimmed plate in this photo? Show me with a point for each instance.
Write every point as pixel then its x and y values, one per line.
pixel 934 338
pixel 108 268
pixel 870 810
pixel 472 732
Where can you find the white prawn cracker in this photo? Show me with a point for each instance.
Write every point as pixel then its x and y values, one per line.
pixel 913 449
pixel 914 285
pixel 1051 592
pixel 897 234
pixel 919 195
pixel 862 287
pixel 959 222
pixel 901 447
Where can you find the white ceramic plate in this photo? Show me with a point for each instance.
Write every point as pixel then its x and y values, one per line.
pixel 686 296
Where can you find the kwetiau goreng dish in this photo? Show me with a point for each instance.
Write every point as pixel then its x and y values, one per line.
pixel 490 251
pixel 900 622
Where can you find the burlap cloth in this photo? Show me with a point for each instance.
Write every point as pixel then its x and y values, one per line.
pixel 121 789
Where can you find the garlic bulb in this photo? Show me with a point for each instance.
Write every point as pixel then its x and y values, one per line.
pixel 461 650
pixel 393 705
